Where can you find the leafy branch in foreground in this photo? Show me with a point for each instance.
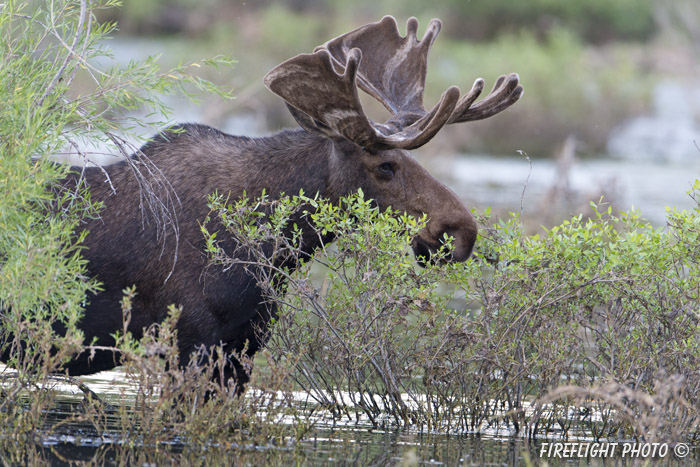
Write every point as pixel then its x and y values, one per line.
pixel 46 48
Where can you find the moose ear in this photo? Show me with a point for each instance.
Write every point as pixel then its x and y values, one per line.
pixel 310 124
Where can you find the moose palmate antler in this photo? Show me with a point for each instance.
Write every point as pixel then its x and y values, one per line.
pixel 320 89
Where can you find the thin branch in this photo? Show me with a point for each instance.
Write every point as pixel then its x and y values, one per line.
pixel 71 52
pixel 522 196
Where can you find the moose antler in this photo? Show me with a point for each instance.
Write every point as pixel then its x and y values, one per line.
pixel 321 88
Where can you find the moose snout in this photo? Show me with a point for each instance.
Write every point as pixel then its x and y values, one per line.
pixel 463 231
pixel 464 238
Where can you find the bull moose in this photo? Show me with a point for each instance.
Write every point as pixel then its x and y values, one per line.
pixel 156 244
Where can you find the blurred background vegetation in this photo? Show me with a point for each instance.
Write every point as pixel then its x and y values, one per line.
pixel 586 66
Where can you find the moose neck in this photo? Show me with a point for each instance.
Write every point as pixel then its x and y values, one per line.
pixel 292 161
pixel 284 162
pixel 288 162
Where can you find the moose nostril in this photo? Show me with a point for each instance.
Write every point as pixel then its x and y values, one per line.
pixel 463 239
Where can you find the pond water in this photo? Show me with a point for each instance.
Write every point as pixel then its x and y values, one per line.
pixel 507 183
pixel 327 442
pixel 323 446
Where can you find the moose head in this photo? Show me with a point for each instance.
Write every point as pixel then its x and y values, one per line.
pixel 320 90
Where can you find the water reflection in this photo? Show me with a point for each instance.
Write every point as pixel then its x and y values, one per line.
pixel 324 446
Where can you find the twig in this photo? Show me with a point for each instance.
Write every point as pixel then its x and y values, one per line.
pixel 71 53
pixel 522 196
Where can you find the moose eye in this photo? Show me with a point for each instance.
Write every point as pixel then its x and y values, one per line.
pixel 386 170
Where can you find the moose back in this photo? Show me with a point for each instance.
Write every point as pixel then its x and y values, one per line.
pixel 148 233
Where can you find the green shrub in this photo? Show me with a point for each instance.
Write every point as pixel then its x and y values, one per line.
pixel 600 313
pixel 44 49
pixel 594 21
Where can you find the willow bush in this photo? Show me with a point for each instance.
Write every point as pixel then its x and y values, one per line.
pixel 45 49
pixel 591 326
